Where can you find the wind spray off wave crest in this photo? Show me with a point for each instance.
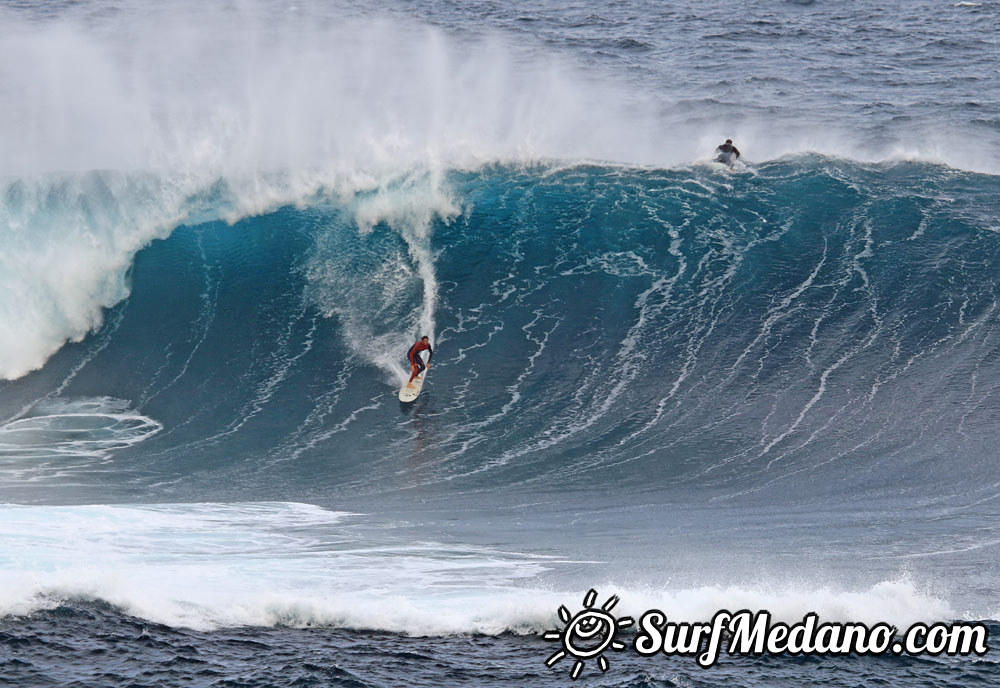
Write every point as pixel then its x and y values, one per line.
pixel 256 89
pixel 229 91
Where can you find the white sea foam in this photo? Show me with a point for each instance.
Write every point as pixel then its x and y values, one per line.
pixel 212 565
pixel 208 565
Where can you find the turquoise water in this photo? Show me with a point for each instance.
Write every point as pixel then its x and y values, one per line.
pixel 771 387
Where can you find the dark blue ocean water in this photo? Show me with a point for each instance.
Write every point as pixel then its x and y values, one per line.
pixel 771 387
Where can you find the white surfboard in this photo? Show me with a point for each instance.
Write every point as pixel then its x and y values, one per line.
pixel 408 394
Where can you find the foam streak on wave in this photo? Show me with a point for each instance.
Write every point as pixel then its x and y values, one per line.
pixel 58 436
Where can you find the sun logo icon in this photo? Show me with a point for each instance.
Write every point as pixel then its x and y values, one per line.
pixel 588 634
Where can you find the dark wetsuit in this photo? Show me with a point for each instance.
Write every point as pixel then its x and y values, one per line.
pixel 414 355
pixel 726 152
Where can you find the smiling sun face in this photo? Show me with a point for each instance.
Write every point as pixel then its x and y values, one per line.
pixel 588 634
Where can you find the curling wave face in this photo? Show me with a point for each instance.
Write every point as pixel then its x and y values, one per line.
pixel 769 332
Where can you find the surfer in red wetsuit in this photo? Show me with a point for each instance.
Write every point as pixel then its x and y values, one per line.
pixel 416 362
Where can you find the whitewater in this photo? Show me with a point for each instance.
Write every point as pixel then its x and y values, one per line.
pixel 693 387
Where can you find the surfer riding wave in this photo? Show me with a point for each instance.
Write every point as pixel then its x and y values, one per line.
pixel 417 365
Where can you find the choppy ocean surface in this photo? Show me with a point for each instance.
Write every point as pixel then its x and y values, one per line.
pixel 774 387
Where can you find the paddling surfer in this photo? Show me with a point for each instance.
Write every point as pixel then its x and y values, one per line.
pixel 727 153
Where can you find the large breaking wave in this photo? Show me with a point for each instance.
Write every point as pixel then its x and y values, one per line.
pixel 812 320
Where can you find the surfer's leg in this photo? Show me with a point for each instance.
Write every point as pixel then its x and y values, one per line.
pixel 417 368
